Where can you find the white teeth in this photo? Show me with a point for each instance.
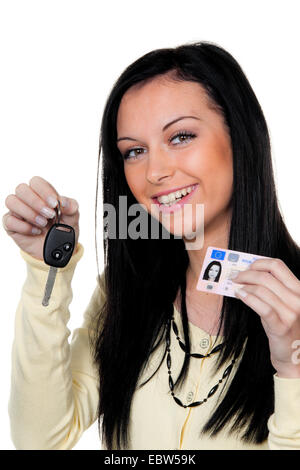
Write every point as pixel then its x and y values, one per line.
pixel 168 199
pixel 163 199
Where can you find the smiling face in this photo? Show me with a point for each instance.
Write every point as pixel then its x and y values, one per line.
pixel 159 156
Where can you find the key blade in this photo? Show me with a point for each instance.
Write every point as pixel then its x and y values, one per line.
pixel 49 285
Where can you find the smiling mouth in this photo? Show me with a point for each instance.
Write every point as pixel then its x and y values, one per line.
pixel 176 205
pixel 168 200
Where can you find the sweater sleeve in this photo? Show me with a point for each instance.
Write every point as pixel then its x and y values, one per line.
pixel 284 423
pixel 54 384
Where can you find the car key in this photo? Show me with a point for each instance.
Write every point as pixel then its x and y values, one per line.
pixel 58 248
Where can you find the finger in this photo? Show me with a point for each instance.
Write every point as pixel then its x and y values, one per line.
pixel 49 194
pixel 266 279
pixel 33 200
pixel 278 269
pixel 16 215
pixel 266 313
pixel 14 204
pixel 45 190
pixel 13 224
pixel 267 304
pixel 69 206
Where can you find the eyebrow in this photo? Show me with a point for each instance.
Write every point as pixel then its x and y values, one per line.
pixel 165 127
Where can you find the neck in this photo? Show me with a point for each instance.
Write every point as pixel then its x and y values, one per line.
pixel 204 308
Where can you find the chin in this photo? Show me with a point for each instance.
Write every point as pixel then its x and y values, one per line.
pixel 192 234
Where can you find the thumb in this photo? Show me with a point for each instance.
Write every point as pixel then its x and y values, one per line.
pixel 68 205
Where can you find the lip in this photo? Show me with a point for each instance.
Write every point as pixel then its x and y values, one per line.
pixel 178 205
pixel 171 190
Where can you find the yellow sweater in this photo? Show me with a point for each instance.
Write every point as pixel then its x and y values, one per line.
pixel 54 386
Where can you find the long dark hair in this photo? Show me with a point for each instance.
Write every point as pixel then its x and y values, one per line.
pixel 143 276
pixel 213 263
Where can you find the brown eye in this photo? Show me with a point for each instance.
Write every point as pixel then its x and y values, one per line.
pixel 127 156
pixel 183 137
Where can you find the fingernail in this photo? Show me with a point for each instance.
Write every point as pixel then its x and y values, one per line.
pixel 36 231
pixel 49 213
pixel 241 292
pixel 234 275
pixel 41 221
pixel 51 201
pixel 64 202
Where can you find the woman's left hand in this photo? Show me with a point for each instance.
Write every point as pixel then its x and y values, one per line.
pixel 273 292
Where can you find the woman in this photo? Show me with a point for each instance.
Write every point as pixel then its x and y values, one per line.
pixel 171 367
pixel 213 271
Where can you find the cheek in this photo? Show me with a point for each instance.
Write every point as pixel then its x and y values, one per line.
pixel 134 181
pixel 130 179
pixel 221 181
pixel 216 172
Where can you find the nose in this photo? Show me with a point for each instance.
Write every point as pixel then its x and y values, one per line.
pixel 160 166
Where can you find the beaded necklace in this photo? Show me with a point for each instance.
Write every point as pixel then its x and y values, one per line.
pixel 198 356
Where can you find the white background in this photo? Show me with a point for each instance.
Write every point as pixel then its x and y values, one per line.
pixel 59 60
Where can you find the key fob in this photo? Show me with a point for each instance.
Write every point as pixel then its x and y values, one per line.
pixel 59 245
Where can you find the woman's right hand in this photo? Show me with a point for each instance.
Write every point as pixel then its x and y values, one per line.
pixel 31 209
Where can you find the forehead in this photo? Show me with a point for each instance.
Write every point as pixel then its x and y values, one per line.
pixel 161 96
